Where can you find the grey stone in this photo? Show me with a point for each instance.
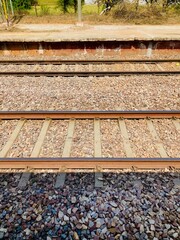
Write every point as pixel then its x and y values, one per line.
pixel 176 182
pixel 151 221
pixel 74 210
pixel 168 226
pixel 113 204
pixel 27 231
pixel 91 224
pixel 99 222
pixel 69 211
pixel 63 223
pixel 137 219
pixel 1 235
pixel 137 235
pixel 79 226
pixel 98 180
pixel 60 214
pixel 66 218
pixel 39 218
pixel 84 227
pixel 94 215
pixel 104 230
pixel 143 236
pixel 175 235
pixel 141 228
pixel 60 180
pixel 152 228
pixel 20 211
pixel 124 202
pixel 73 200
pixel 24 180
pixel 171 232
pixel 124 234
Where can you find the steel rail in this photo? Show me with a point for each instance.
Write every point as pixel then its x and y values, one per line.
pixel 5 115
pixel 111 61
pixel 87 74
pixel 91 163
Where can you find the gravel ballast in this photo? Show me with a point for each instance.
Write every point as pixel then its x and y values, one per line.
pixel 169 136
pixel 107 93
pixel 141 139
pixel 112 142
pixel 82 142
pixel 26 140
pixel 6 129
pixel 129 206
pixel 54 140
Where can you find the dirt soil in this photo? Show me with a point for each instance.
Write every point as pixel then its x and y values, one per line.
pixel 92 19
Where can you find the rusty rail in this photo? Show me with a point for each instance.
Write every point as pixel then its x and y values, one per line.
pixel 88 114
pixel 103 61
pixel 86 74
pixel 91 163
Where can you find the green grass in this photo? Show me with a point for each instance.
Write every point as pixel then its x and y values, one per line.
pixel 46 8
pixel 47 2
pixel 90 9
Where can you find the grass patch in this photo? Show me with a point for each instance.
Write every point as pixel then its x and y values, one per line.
pixel 49 9
pixel 47 2
pixel 90 9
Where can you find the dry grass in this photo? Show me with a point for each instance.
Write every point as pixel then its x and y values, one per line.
pixel 94 19
pixel 127 13
pixel 119 14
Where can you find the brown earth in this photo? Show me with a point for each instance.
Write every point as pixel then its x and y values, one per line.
pixel 92 19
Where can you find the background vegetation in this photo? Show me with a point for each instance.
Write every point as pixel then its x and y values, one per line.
pixel 122 11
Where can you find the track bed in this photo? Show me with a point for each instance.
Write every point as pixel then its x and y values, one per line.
pixel 109 139
pixel 85 68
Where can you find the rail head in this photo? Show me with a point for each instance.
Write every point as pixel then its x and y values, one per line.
pixel 89 163
pixel 95 61
pixel 7 115
pixel 88 73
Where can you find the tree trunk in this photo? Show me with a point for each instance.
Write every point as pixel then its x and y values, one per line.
pixel 137 5
pixel 35 7
pixel 2 11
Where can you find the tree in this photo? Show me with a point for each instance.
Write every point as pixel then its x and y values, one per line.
pixel 22 4
pixel 65 4
pixel 35 3
pixel 75 5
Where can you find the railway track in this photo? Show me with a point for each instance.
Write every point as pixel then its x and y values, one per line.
pixel 14 155
pixel 84 68
pixel 34 158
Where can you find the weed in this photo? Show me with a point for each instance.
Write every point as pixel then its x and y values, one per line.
pixel 45 10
